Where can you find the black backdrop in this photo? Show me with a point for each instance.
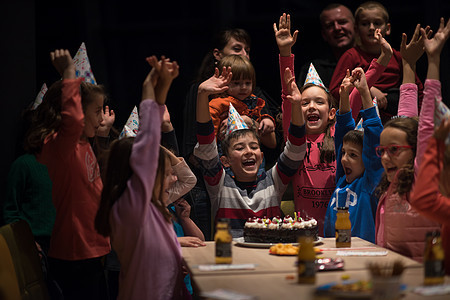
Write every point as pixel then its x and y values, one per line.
pixel 120 34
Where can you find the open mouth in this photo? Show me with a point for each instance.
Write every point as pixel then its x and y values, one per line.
pixel 391 170
pixel 249 163
pixel 313 118
pixel 347 171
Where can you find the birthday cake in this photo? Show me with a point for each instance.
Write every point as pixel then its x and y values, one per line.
pixel 277 230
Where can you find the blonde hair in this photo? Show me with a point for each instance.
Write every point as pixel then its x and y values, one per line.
pixel 371 5
pixel 241 68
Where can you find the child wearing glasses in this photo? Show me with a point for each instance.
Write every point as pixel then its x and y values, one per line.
pixel 358 169
pixel 402 145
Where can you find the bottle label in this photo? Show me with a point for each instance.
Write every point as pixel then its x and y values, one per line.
pixel 434 268
pixel 343 235
pixel 223 249
pixel 306 268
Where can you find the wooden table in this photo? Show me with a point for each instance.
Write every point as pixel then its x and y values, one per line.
pixel 275 276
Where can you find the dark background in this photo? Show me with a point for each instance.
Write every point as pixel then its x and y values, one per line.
pixel 120 34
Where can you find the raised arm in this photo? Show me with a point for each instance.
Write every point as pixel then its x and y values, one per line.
pixel 63 63
pixel 295 98
pixel 283 36
pixel 360 82
pixel 216 84
pixel 433 48
pixel 411 52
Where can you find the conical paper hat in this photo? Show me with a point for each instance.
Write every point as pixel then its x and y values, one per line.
pixel 314 78
pixel 235 121
pixel 359 125
pixel 131 127
pixel 82 65
pixel 39 97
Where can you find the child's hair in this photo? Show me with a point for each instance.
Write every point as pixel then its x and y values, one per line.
pixel 327 152
pixel 226 143
pixel 220 41
pixel 117 173
pixel 241 68
pixel 355 137
pixel 371 5
pixel 405 175
pixel 47 118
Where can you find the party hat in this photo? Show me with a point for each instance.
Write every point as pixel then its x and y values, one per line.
pixel 441 112
pixel 39 97
pixel 82 65
pixel 313 77
pixel 131 127
pixel 235 121
pixel 375 103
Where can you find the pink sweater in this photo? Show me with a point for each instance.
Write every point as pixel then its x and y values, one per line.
pixel 145 242
pixel 314 182
pixel 401 232
pixel 77 186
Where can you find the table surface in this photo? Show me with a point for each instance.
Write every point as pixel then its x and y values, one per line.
pixel 275 276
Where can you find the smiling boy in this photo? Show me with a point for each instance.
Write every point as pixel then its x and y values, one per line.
pixel 246 194
pixel 358 168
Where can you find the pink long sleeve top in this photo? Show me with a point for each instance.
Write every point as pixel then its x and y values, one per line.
pixel 145 242
pixel 396 229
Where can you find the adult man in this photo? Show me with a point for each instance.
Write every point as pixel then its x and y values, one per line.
pixel 338 31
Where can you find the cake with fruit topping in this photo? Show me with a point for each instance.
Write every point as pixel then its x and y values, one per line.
pixel 277 230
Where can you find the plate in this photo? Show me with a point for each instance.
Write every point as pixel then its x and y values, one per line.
pixel 240 242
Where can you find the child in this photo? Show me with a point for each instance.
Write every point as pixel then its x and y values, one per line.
pixel 314 183
pixel 240 94
pixel 245 195
pixel 427 198
pixel 134 200
pixel 398 226
pixel 370 16
pixel 70 113
pixel 358 169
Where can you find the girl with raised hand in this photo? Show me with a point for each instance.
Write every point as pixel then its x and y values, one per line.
pixel 402 145
pixel 133 209
pixel 314 182
pixel 70 114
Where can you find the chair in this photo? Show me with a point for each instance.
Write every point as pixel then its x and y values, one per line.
pixel 25 258
pixel 9 287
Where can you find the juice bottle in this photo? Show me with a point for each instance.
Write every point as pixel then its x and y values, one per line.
pixel 433 259
pixel 306 261
pixel 343 228
pixel 223 240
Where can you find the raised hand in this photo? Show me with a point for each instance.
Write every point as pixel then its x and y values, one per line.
pixel 412 51
pixel 293 93
pixel 344 91
pixel 359 79
pixel 108 120
pixel 386 49
pixel 283 36
pixel 216 84
pixel 63 63
pixel 167 71
pixel 434 46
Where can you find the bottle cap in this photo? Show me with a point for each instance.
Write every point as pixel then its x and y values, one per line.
pixel 342 208
pixel 434 233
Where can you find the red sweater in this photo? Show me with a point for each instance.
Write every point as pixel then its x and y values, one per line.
pixel 355 57
pixel 426 197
